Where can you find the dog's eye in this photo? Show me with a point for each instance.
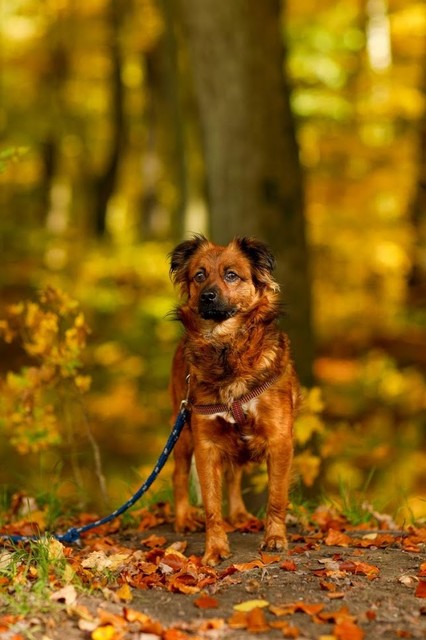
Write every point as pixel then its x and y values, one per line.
pixel 200 276
pixel 231 276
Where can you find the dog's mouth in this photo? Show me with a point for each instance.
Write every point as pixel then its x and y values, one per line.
pixel 216 313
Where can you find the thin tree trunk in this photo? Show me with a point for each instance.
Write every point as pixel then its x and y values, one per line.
pixel 417 280
pixel 105 182
pixel 254 180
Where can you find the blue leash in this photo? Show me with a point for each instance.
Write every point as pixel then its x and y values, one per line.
pixel 74 533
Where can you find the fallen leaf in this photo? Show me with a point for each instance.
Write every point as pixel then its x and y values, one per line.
pixel 107 632
pixel 337 539
pixel 268 558
pixel 341 615
pixel 87 625
pixel 248 605
pixel 154 541
pixel 288 630
pixel 369 570
pixel 238 620
pixel 99 561
pixel 256 621
pixel 408 580
pixel 132 615
pixel 67 595
pixel 347 630
pixel 206 602
pixel 175 634
pixel 247 566
pixel 309 609
pixel 288 565
pixel 421 589
pixel 108 618
pixel 179 546
pixel 327 586
pixel 124 593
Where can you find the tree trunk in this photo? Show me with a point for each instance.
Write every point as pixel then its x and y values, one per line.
pixel 105 182
pixel 417 280
pixel 254 180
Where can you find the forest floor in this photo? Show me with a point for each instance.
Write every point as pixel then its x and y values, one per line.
pixel 336 582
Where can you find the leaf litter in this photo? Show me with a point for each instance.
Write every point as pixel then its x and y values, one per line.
pixel 337 582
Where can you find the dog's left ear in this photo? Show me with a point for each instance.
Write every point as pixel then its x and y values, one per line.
pixel 261 259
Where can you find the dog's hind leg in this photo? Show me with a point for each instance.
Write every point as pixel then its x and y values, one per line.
pixel 237 509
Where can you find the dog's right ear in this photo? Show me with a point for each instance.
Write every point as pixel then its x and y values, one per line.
pixel 179 259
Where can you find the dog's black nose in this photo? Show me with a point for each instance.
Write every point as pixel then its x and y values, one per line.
pixel 208 296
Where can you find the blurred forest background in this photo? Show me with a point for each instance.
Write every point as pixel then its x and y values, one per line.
pixel 126 125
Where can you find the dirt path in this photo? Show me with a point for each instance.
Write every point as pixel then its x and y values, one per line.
pixel 319 590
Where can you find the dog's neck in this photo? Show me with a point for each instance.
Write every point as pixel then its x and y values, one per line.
pixel 229 358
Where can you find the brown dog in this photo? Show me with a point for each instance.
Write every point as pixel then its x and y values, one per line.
pixel 242 388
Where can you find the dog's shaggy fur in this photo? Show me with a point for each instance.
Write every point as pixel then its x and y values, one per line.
pixel 232 346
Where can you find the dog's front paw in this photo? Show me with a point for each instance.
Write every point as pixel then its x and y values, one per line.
pixel 274 543
pixel 216 553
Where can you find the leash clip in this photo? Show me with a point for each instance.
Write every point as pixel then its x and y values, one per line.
pixel 184 403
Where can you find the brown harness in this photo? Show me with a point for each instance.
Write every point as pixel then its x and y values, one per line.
pixel 236 407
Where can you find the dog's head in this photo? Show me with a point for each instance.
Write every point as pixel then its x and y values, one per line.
pixel 221 282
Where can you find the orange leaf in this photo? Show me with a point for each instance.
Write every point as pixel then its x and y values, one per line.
pixel 109 618
pixel 268 559
pixel 256 621
pixel 369 570
pixel 175 634
pixel 247 566
pixel 154 541
pixel 206 602
pixel 347 630
pixel 341 615
pixel 288 630
pixel 124 593
pixel 238 620
pixel 309 609
pixel 284 610
pixel 131 615
pixel 421 589
pixel 288 565
pixel 422 572
pixel 337 539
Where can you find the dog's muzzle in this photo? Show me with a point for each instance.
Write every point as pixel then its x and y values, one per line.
pixel 212 307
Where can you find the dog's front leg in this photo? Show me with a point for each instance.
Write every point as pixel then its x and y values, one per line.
pixel 209 468
pixel 279 463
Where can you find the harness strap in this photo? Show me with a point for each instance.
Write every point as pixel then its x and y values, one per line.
pixel 236 407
